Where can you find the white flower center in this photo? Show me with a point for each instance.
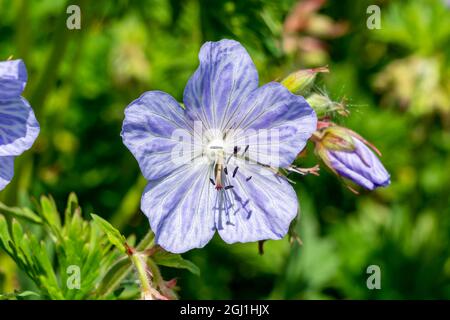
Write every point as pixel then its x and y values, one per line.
pixel 215 150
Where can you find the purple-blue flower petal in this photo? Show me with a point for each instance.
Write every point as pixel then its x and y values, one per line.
pixel 18 127
pixel 6 171
pixel 360 166
pixel 13 78
pixel 225 76
pixel 148 132
pixel 179 208
pixel 276 125
pixel 263 206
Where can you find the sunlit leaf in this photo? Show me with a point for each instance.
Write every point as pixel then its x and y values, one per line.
pixel 114 235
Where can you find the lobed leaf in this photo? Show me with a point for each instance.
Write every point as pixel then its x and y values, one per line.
pixel 114 235
pixel 168 259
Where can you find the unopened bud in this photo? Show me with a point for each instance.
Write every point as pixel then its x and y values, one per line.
pixel 323 105
pixel 348 155
pixel 300 82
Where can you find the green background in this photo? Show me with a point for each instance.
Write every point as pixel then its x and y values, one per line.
pixel 396 84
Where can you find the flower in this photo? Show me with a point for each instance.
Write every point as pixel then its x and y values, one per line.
pixel 232 137
pixel 18 125
pixel 347 154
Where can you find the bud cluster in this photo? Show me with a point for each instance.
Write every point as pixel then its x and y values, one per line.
pixel 343 151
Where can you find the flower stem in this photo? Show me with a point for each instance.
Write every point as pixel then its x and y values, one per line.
pixel 139 262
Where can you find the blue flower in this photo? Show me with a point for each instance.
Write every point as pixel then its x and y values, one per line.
pixel 18 125
pixel 212 165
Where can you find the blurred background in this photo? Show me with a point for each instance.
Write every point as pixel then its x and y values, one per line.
pixel 395 81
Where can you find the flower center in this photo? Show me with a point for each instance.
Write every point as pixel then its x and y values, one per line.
pixel 218 153
pixel 215 151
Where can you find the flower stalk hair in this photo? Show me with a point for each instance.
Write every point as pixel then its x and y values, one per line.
pixel 18 125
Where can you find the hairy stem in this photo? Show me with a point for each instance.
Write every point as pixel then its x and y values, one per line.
pixel 140 265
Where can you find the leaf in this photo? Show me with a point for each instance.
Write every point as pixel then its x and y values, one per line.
pixel 114 235
pixel 18 295
pixel 114 277
pixel 5 237
pixel 50 213
pixel 17 232
pixel 168 259
pixel 146 242
pixel 23 213
pixel 72 207
pixel 25 294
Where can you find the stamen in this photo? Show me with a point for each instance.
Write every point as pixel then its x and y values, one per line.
pixel 248 179
pixel 218 169
pixel 212 181
pixel 229 187
pixel 235 171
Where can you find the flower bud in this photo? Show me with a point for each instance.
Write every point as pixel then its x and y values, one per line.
pixel 348 155
pixel 301 81
pixel 323 105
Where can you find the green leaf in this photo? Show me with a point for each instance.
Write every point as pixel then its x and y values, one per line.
pixel 168 259
pixel 146 242
pixel 17 232
pixel 25 294
pixel 50 213
pixel 114 277
pixel 23 213
pixel 72 206
pixel 18 295
pixel 5 237
pixel 114 235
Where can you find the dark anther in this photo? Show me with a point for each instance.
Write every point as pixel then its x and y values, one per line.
pixel 212 181
pixel 246 149
pixel 225 170
pixel 235 150
pixel 248 179
pixel 229 187
pixel 235 171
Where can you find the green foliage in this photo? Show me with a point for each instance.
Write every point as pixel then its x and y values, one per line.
pixel 49 252
pixel 18 295
pixel 167 259
pixel 112 233
pixel 401 25
pixel 74 243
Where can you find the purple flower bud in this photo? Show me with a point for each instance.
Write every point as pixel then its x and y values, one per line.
pixel 360 166
pixel 355 161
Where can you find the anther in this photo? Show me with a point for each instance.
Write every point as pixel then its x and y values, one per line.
pixel 212 181
pixel 248 179
pixel 235 171
pixel 229 187
pixel 225 170
pixel 246 149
